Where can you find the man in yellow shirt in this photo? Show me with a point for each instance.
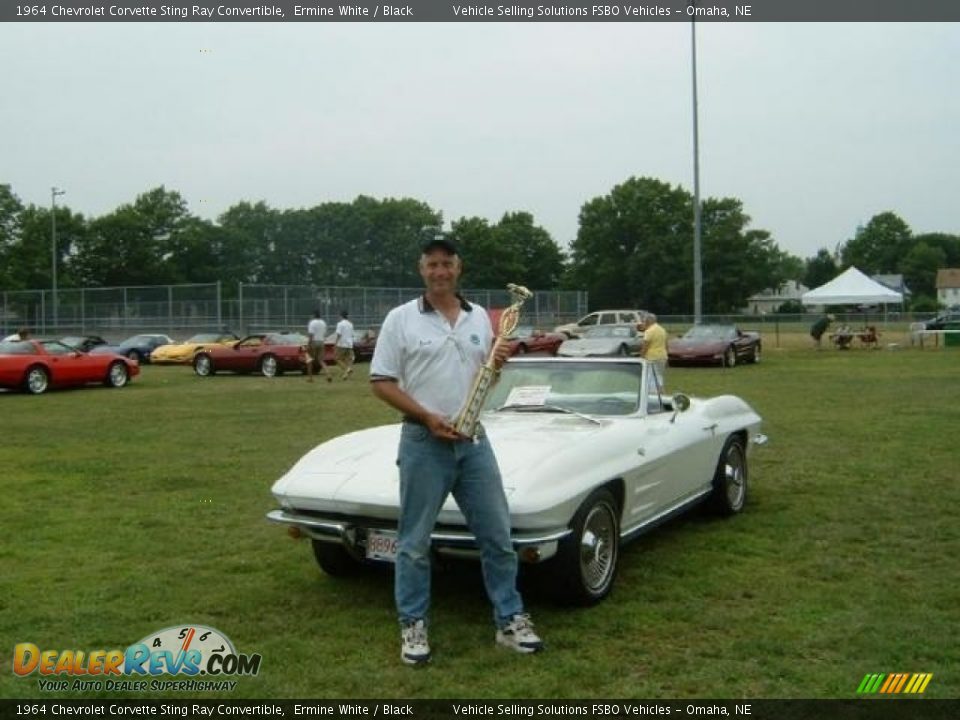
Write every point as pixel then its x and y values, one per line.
pixel 654 349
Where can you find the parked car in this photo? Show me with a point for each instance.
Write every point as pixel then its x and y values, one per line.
pixel 714 343
pixel 84 343
pixel 137 347
pixel 528 339
pixel 269 354
pixel 35 366
pixel 589 461
pixel 603 341
pixel 601 317
pixel 948 316
pixel 184 352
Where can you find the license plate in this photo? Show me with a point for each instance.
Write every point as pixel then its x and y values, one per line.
pixel 382 545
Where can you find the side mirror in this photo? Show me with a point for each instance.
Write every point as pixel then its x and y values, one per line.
pixel 681 403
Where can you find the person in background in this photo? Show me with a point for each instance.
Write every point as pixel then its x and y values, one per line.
pixel 21 334
pixel 343 346
pixel 427 354
pixel 819 328
pixel 317 333
pixel 654 350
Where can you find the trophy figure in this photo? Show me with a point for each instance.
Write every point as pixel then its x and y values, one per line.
pixel 467 421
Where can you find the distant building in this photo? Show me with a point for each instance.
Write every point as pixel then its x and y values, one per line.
pixel 769 300
pixel 894 282
pixel 948 286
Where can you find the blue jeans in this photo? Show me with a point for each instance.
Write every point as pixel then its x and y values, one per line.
pixel 431 469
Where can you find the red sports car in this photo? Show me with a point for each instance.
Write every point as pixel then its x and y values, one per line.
pixel 726 345
pixel 526 339
pixel 38 365
pixel 269 354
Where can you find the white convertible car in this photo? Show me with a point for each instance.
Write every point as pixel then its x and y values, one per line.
pixel 589 460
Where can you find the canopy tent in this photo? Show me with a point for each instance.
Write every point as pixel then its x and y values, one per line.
pixel 851 287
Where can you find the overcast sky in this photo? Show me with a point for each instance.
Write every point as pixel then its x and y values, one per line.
pixel 815 127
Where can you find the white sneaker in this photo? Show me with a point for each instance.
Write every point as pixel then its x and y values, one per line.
pixel 414 648
pixel 518 635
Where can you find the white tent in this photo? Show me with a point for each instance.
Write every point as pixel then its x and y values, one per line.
pixel 851 287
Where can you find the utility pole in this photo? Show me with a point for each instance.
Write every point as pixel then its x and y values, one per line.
pixel 54 191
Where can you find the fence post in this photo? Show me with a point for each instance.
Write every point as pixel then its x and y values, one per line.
pixel 240 307
pixel 169 309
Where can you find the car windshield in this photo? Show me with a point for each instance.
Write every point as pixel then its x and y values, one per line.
pixel 16 347
pixel 709 332
pixel 205 337
pixel 286 339
pixel 73 341
pixel 610 331
pixel 594 388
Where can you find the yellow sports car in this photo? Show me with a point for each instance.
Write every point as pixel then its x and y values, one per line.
pixel 182 353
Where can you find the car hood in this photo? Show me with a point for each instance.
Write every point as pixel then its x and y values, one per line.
pixel 701 346
pixel 356 474
pixel 592 346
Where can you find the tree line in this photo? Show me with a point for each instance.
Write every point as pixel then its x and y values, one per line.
pixel 634 247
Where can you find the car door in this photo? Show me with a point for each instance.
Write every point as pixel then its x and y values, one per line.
pixel 69 366
pixel 681 451
pixel 241 356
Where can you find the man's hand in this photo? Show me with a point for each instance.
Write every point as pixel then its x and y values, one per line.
pixel 441 428
pixel 501 353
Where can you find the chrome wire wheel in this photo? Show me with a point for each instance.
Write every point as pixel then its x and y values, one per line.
pixel 268 366
pixel 38 380
pixel 598 547
pixel 730 357
pixel 117 375
pixel 730 481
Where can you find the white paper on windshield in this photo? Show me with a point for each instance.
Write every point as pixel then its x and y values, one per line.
pixel 528 395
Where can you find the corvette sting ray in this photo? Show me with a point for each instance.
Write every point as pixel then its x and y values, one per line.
pixel 589 461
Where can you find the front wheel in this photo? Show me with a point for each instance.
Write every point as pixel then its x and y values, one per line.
pixel 203 365
pixel 117 375
pixel 623 351
pixel 730 479
pixel 756 354
pixel 37 380
pixel 586 562
pixel 334 559
pixel 730 357
pixel 269 367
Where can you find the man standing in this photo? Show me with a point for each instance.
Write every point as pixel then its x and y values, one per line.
pixel 819 328
pixel 343 346
pixel 654 349
pixel 317 332
pixel 427 354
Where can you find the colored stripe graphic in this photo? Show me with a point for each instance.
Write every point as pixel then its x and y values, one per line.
pixel 894 683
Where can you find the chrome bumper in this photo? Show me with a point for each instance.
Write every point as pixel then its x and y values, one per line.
pixel 530 546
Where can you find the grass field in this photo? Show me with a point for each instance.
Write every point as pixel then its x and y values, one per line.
pixel 127 511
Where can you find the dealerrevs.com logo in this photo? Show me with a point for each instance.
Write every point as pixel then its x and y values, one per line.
pixel 182 650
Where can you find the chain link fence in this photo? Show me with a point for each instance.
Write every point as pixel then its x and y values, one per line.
pixel 271 307
pixel 182 310
pixel 114 312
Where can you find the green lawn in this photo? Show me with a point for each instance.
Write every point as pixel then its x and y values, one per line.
pixel 128 511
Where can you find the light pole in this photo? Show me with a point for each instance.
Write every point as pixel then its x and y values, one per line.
pixel 54 191
pixel 697 269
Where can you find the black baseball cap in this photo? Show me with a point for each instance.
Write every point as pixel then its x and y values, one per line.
pixel 441 243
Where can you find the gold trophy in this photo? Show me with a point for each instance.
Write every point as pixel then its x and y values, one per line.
pixel 467 421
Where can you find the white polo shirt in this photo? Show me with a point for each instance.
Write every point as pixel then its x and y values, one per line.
pixel 433 362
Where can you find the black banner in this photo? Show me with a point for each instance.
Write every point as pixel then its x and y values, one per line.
pixel 470 11
pixel 868 709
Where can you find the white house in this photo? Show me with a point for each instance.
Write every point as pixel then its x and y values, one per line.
pixel 768 301
pixel 948 286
